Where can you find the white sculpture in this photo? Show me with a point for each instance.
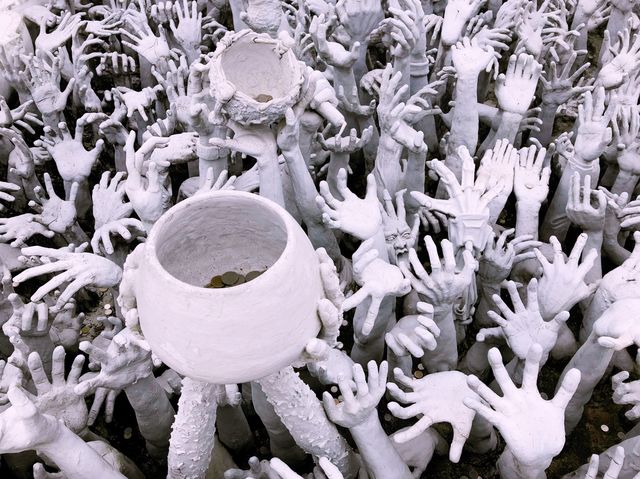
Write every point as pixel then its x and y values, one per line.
pixel 255 210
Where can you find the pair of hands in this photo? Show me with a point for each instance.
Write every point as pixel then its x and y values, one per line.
pixel 32 420
pixel 445 284
pixel 468 202
pixel 111 213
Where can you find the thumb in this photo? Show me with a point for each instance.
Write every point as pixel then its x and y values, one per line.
pixel 290 117
pixel 317 349
pixel 487 333
pixel 85 387
pixel 457 443
pixel 561 317
pixel 592 287
pixel 613 343
pixel 19 400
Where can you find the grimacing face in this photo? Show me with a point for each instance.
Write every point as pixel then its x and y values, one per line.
pixel 397 235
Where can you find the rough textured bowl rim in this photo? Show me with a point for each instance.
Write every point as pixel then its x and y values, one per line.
pixel 228 41
pixel 152 256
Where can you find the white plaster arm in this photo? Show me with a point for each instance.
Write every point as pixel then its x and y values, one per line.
pixel 358 413
pixel 47 435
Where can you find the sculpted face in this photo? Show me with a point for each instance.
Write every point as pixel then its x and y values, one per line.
pixel 397 235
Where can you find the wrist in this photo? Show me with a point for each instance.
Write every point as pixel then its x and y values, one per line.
pixel 57 435
pixel 389 150
pixel 290 151
pixel 466 78
pixel 610 240
pixel 510 466
pixel 208 152
pixel 527 207
pixel 549 104
pixel 267 159
pixel 581 164
pixel 625 175
pixel 511 117
pixel 140 388
pixel 594 234
pixel 364 428
pixel 418 62
pixel 488 286
pixel 442 311
pixel 419 68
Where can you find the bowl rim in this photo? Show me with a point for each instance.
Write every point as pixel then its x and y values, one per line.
pixel 216 64
pixel 150 252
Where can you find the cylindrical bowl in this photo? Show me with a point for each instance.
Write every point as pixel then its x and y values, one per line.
pixel 234 334
pixel 266 75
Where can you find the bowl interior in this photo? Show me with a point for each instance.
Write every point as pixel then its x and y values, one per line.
pixel 218 234
pixel 257 70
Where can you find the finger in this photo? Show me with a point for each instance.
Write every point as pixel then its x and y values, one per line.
pixel 486 412
pixel 76 370
pixel 38 375
pixel 355 299
pixel 412 347
pixel 98 401
pixel 592 472
pixel 457 443
pixel 615 466
pixel 52 285
pixel 567 388
pixel 426 338
pixel 57 366
pixel 414 431
pixel 71 289
pixel 500 372
pixel 394 345
pixel 577 249
pixel 360 380
pixel 94 352
pixel 502 306
pixel 40 270
pixel 110 405
pixel 372 314
pixel 331 471
pixel 42 311
pixel 432 251
pixel 531 368
pixel 27 317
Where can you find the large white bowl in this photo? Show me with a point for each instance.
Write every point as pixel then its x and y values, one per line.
pixel 235 334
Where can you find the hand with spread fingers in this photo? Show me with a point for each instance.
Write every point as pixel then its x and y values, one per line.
pixel 562 284
pixel 532 427
pixel 437 397
pixel 468 202
pixel 445 283
pixel 79 270
pixel 358 217
pixel 377 279
pixel 524 326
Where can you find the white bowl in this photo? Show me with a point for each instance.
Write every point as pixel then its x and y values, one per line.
pixel 266 75
pixel 235 334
